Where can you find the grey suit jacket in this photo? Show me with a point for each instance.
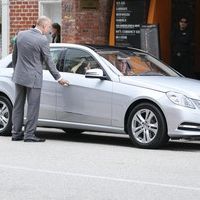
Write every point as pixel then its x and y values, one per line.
pixel 30 52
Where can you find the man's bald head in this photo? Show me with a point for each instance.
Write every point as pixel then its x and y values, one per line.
pixel 43 20
pixel 44 24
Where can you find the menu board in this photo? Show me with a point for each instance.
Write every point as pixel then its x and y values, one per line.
pixel 150 39
pixel 129 15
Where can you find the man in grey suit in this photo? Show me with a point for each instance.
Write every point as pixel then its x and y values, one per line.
pixel 30 52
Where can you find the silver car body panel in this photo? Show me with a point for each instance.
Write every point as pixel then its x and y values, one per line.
pixel 82 126
pixel 6 85
pixel 85 100
pixel 101 105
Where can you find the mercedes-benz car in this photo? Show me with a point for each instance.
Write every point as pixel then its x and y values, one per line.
pixel 112 89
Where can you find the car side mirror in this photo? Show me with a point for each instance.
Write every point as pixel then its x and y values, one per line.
pixel 95 73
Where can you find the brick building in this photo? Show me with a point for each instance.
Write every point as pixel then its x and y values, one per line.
pixel 81 21
pixel 90 21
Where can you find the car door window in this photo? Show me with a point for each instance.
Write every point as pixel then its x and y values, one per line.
pixel 78 61
pixel 56 54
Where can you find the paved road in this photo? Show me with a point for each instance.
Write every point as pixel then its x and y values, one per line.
pixel 97 167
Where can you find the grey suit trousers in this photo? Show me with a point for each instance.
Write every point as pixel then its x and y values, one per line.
pixel 33 100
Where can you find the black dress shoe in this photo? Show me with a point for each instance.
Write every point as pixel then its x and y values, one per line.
pixel 17 138
pixel 34 139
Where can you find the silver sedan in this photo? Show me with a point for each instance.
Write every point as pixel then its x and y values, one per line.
pixel 118 90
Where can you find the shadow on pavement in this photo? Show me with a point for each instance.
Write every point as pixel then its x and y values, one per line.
pixel 183 145
pixel 88 137
pixel 115 139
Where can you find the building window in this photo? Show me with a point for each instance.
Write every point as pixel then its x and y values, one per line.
pixel 51 9
pixel 4 32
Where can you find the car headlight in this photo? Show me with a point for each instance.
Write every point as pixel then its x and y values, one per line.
pixel 197 103
pixel 180 99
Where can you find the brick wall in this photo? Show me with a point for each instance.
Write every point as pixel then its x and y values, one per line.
pixel 78 26
pixel 85 26
pixel 23 14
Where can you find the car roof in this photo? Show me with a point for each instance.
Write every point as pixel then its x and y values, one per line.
pixel 97 48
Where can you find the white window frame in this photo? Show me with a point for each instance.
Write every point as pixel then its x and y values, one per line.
pixel 42 2
pixel 5 27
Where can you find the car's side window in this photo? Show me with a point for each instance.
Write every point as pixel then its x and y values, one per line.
pixel 78 61
pixel 56 54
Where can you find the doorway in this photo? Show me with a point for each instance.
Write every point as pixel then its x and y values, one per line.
pixel 51 9
pixel 190 10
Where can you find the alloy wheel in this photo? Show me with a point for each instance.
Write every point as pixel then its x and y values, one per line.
pixel 4 116
pixel 144 126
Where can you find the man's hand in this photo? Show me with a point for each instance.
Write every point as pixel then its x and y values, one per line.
pixel 63 82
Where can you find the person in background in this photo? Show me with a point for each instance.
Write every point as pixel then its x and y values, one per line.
pixel 55 33
pixel 181 47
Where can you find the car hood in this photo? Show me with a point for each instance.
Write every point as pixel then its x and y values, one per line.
pixel 186 86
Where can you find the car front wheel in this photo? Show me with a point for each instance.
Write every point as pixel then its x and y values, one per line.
pixel 147 127
pixel 5 116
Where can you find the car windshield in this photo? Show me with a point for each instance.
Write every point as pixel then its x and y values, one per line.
pixel 132 63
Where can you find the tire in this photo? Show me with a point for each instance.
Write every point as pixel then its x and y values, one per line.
pixel 73 132
pixel 5 116
pixel 147 127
